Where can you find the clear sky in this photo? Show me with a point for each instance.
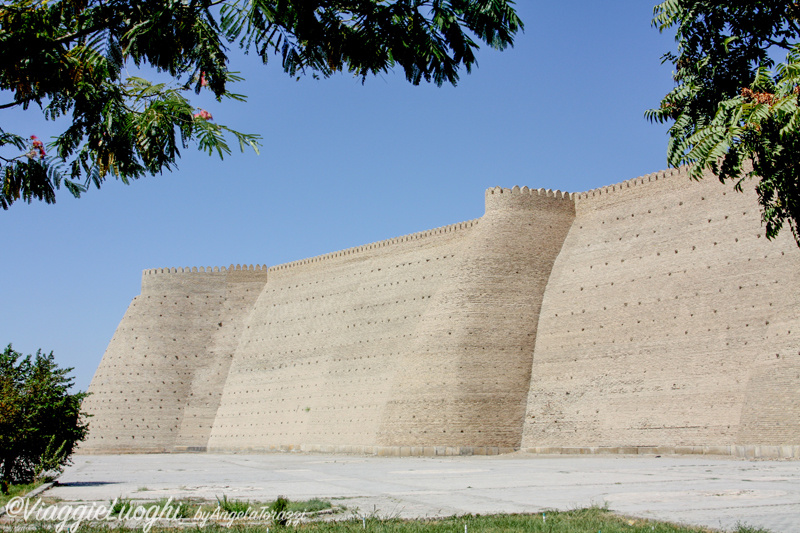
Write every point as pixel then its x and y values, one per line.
pixel 343 164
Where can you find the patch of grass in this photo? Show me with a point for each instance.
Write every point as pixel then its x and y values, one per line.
pixel 238 506
pixel 743 528
pixel 280 507
pixel 233 506
pixel 309 506
pixel 183 508
pixel 18 490
pixel 120 506
pixel 589 520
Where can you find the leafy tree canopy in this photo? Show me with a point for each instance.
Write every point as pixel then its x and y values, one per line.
pixel 67 57
pixel 40 420
pixel 735 108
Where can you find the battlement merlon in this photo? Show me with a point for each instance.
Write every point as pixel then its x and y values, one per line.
pixel 498 198
pixel 200 279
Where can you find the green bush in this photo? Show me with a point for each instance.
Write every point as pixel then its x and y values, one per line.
pixel 40 421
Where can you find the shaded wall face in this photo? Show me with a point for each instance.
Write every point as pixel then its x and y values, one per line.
pixel 319 350
pixel 210 373
pixel 153 389
pixel 668 320
pixel 463 378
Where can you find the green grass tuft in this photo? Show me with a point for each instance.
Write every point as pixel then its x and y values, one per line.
pixel 17 490
pixel 280 508
pixel 309 506
pixel 742 528
pixel 120 506
pixel 232 506
pixel 182 508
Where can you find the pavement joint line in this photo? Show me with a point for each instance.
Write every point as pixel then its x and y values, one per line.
pixel 761 494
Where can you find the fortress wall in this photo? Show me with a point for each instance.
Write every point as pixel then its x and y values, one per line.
pixel 463 379
pixel 322 343
pixel 151 388
pixel 668 320
pixel 242 288
pixel 650 313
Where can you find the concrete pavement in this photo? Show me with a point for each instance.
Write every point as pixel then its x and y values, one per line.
pixel 710 491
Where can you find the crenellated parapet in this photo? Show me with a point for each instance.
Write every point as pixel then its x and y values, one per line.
pixel 203 270
pixel 498 198
pixel 525 191
pixel 654 177
pixel 200 279
pixel 376 245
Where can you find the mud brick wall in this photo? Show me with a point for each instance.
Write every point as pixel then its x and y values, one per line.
pixel 648 315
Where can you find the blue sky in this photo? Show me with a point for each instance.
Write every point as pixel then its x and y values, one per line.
pixel 342 164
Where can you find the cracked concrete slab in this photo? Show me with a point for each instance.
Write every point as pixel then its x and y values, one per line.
pixel 710 491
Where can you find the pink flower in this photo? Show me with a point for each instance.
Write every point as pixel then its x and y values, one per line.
pixel 203 81
pixel 205 115
pixel 37 146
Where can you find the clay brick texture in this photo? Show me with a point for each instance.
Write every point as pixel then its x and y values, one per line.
pixel 648 316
